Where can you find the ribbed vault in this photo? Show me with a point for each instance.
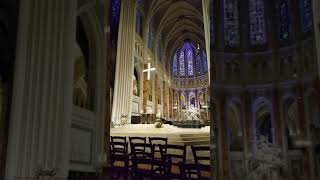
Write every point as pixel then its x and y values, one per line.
pixel 176 20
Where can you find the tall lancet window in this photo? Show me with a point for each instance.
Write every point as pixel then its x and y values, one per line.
pixel 160 46
pixel 198 62
pixel 150 38
pixel 284 20
pixel 181 62
pixel 115 18
pixel 231 23
pixel 175 65
pixel 305 15
pixel 257 22
pixel 204 59
pixel 139 21
pixel 190 62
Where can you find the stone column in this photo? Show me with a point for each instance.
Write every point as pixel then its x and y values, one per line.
pixel 316 20
pixel 145 91
pixel 162 97
pixel 42 92
pixel 167 91
pixel 122 101
pixel 223 168
pixel 154 93
pixel 245 111
pixel 206 20
pixel 179 104
pixel 305 131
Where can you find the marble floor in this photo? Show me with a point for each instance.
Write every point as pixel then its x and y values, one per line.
pixel 175 135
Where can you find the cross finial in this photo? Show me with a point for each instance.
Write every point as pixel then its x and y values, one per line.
pixel 148 70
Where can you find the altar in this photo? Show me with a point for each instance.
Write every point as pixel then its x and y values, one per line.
pixel 145 118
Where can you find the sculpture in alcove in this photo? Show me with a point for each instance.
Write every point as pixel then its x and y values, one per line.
pixel 201 100
pixel 192 102
pixel 264 126
pixel 135 89
pixel 192 99
pixel 80 84
pixel 183 102
pixel 292 117
pixel 83 84
pixel 234 128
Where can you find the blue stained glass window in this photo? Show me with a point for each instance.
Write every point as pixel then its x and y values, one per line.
pixel 137 20
pixel 231 23
pixel 115 18
pixel 175 66
pixel 284 20
pixel 257 22
pixel 204 59
pixel 160 47
pixel 190 62
pixel 198 63
pixel 181 62
pixel 150 39
pixel 141 25
pixel 306 15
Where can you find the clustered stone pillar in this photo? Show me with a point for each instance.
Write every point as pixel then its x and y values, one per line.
pixel 42 91
pixel 154 93
pixel 145 91
pixel 122 101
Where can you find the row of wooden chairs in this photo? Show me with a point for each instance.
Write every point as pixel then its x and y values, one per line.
pixel 157 159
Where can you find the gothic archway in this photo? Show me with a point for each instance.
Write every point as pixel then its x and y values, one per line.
pixel 233 126
pixel 263 119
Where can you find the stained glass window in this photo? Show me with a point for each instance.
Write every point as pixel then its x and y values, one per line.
pixel 175 66
pixel 150 39
pixel 231 23
pixel 257 22
pixel 284 20
pixel 181 62
pixel 141 25
pixel 115 18
pixel 160 46
pixel 198 63
pixel 305 15
pixel 190 62
pixel 137 20
pixel 204 59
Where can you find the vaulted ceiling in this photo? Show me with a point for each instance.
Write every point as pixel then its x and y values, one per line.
pixel 177 20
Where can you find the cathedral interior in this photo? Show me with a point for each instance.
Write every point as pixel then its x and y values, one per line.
pixel 238 80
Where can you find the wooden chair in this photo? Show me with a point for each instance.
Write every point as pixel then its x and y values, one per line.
pixel 141 151
pixel 144 168
pixel 144 164
pixel 119 153
pixel 173 156
pixel 139 140
pixel 157 141
pixel 191 171
pixel 201 155
pixel 118 139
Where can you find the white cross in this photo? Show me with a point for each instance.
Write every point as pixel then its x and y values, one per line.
pixel 149 70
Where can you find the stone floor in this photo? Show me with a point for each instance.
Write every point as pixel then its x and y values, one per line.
pixel 175 135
